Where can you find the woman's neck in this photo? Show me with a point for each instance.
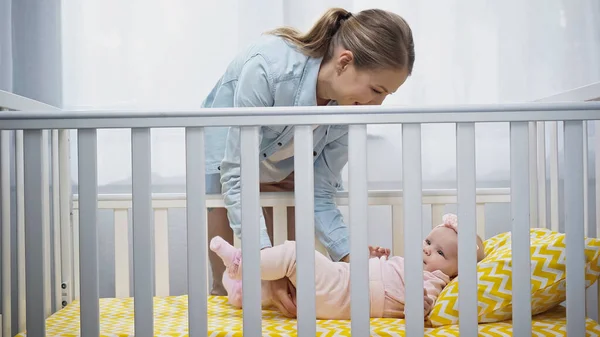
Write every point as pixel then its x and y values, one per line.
pixel 324 77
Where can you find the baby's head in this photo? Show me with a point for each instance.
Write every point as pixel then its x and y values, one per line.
pixel 440 248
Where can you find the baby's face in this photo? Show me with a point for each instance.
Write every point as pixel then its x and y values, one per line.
pixel 440 251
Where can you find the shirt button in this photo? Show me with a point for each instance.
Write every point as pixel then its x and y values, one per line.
pixel 279 144
pixel 315 153
pixel 265 155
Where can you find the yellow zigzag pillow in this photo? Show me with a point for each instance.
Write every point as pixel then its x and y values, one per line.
pixel 548 284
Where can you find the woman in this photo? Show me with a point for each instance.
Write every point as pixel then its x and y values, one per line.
pixel 344 59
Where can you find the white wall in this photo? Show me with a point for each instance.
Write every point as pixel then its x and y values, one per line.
pixel 169 54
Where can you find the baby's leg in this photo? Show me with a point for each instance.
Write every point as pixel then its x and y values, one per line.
pixel 275 263
pixel 331 278
pixel 235 291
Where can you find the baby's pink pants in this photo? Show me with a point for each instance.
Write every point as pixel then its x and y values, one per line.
pixel 332 280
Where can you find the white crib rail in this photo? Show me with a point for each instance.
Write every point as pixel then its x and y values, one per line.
pixel 162 202
pixel 54 170
pixel 121 205
pixel 572 115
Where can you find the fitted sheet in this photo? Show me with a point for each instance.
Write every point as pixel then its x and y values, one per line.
pixel 170 315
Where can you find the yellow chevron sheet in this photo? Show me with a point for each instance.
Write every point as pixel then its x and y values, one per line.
pixel 170 314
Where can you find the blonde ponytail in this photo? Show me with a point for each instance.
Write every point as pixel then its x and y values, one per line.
pixel 316 41
pixel 378 39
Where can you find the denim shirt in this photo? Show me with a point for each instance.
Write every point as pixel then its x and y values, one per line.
pixel 272 72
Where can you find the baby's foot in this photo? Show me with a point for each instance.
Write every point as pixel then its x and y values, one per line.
pixel 234 290
pixel 230 255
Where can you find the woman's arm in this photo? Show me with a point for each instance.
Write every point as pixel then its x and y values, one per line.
pixel 329 223
pixel 253 89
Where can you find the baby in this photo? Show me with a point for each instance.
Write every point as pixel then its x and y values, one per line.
pixel 332 279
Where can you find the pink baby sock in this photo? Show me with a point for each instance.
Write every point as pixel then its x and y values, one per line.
pixel 234 290
pixel 230 255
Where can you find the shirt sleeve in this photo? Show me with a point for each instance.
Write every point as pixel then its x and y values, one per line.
pixel 254 89
pixel 329 223
pixel 434 285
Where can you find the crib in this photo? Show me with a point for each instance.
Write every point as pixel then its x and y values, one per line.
pixel 56 230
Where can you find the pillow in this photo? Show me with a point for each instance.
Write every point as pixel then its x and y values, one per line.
pixel 494 273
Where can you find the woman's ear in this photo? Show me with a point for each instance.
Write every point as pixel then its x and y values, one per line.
pixel 343 60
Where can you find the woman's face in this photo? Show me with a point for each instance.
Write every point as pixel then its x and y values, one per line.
pixel 352 86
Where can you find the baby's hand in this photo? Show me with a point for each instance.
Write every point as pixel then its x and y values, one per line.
pixel 378 251
pixel 427 302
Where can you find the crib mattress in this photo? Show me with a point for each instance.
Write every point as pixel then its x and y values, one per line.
pixel 170 314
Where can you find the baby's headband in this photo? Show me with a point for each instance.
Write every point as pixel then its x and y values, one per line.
pixel 451 221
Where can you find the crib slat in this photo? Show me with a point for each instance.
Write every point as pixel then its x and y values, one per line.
pixel 76 247
pixel 6 232
pixel 66 238
pixel 437 211
pixel 34 238
pixel 19 157
pixel 88 231
pixel 597 180
pixel 585 179
pixel 56 221
pixel 358 208
pixel 143 285
pixel 120 219
pixel 161 252
pixel 521 260
pixel 397 230
pixel 250 198
pixel 197 235
pixel 554 176
pixel 481 220
pixel 413 239
pixel 541 174
pixel 574 231
pixel 46 223
pixel 280 233
pixel 533 170
pixel 305 231
pixel 467 217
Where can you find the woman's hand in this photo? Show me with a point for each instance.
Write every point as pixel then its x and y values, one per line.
pixel 284 296
pixel 378 251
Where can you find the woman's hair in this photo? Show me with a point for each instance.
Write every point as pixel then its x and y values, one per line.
pixel 378 39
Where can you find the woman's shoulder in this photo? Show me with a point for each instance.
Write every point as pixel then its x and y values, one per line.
pixel 284 60
pixel 276 48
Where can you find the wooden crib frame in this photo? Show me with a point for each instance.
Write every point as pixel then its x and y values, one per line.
pixel 55 216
